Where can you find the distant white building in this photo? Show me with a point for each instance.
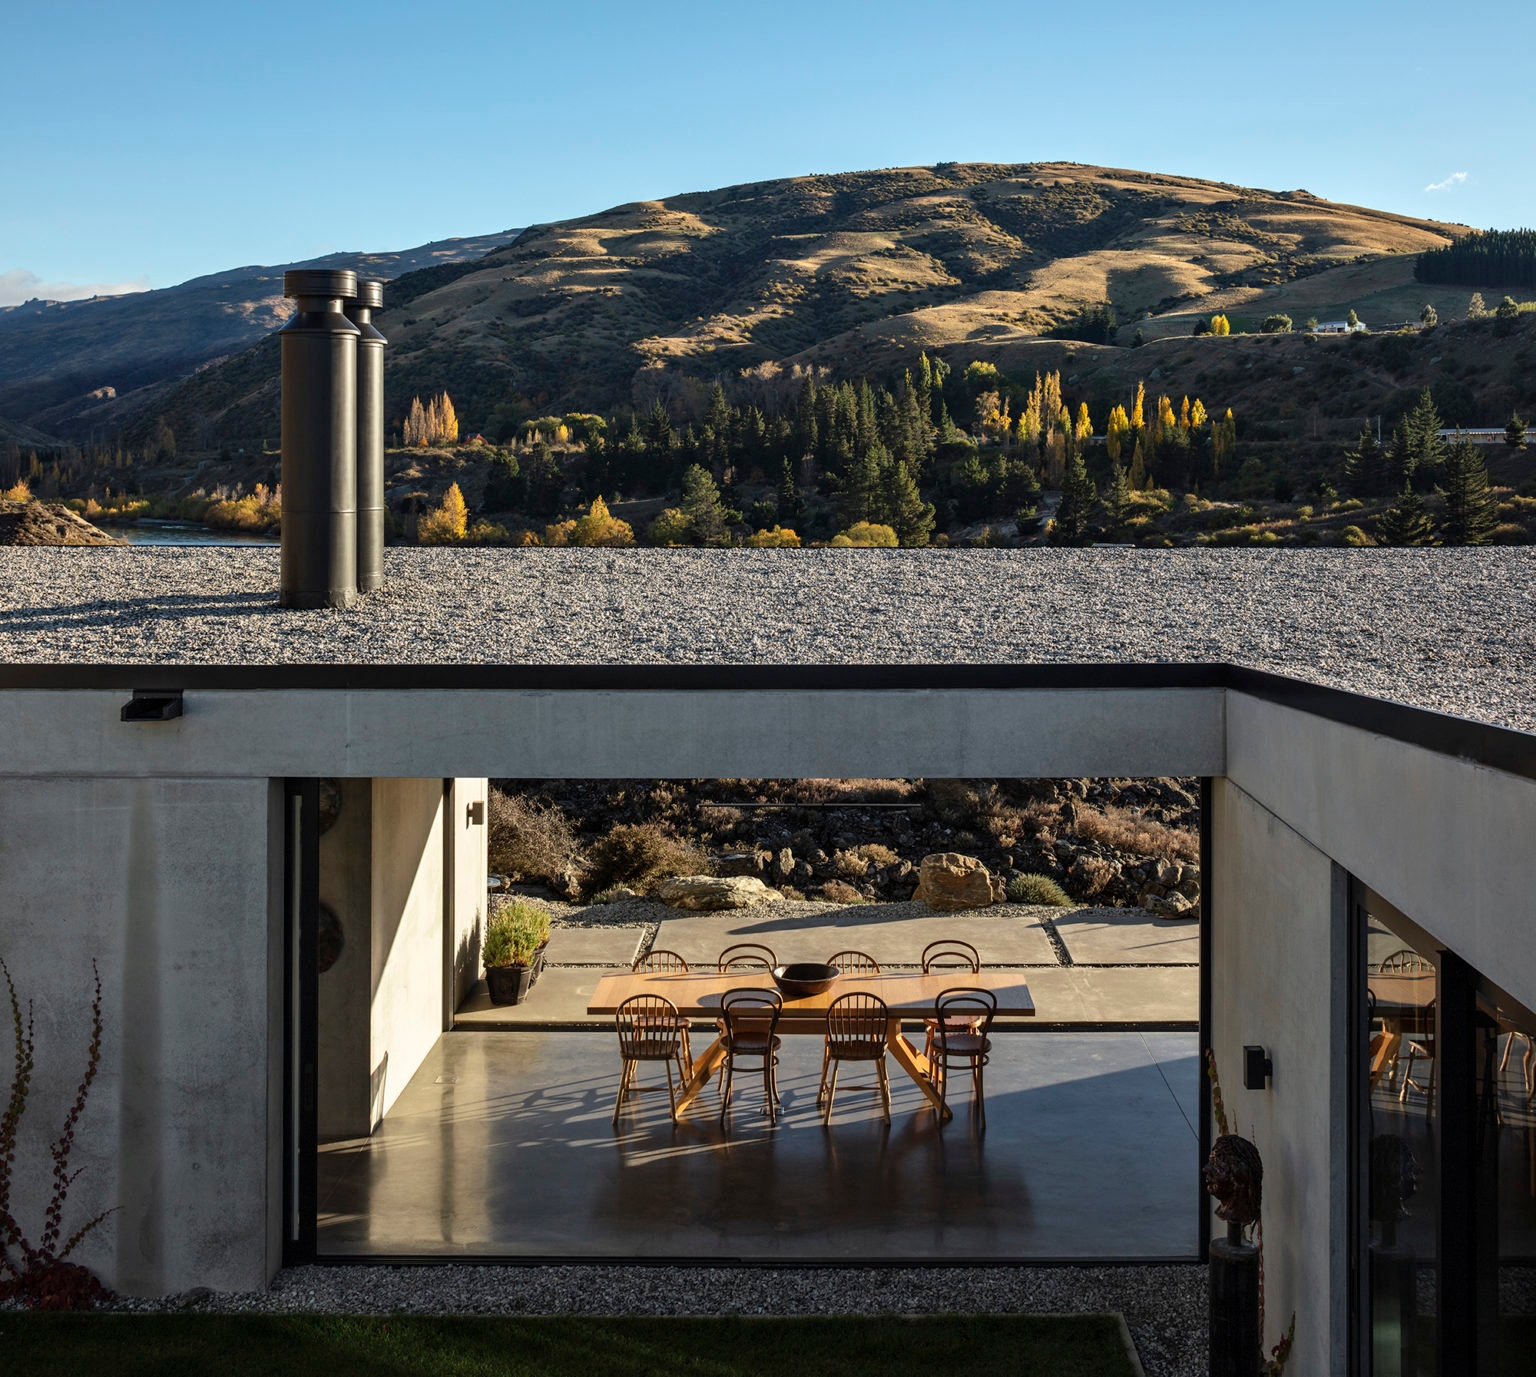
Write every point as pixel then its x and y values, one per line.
pixel 1339 327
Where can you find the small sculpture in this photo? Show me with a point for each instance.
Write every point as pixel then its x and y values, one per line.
pixel 1235 1176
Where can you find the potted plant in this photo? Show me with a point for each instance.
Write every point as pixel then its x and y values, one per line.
pixel 513 952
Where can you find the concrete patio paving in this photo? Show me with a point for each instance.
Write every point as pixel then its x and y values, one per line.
pixel 502 1146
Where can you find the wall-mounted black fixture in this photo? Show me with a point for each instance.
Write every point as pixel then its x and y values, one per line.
pixel 1258 1069
pixel 152 705
pixel 475 814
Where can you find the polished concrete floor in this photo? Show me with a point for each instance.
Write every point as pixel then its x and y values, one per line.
pixel 502 1145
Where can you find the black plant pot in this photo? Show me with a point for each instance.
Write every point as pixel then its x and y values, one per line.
pixel 509 984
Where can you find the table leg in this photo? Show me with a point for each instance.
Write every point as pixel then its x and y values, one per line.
pixel 699 1073
pixel 915 1064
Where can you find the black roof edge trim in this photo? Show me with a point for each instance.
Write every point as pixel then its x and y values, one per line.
pixel 1501 748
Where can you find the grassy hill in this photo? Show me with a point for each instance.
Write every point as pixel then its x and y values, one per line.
pixel 79 367
pixel 854 273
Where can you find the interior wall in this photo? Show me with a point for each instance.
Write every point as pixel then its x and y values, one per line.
pixel 406 984
pixel 346 888
pixel 165 884
pixel 1278 979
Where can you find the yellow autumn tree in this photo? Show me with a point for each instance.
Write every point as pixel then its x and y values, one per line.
pixel 1137 477
pixel 1220 325
pixel 600 528
pixel 1138 418
pixel 1197 416
pixel 1117 431
pixel 1223 442
pixel 867 535
pixel 779 538
pixel 427 425
pixel 446 523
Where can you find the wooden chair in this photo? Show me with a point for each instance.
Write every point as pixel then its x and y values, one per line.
pixel 747 956
pixel 1421 1045
pixel 650 1029
pixel 962 1018
pixel 947 954
pixel 660 960
pixel 667 963
pixel 857 1030
pixel 854 963
pixel 749 1028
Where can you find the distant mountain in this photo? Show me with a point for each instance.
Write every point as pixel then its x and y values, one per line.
pixel 74 367
pixel 856 272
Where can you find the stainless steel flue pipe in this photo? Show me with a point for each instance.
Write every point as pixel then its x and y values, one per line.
pixel 370 434
pixel 319 403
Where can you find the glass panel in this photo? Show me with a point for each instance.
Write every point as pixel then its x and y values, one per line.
pixel 1507 1156
pixel 1401 1168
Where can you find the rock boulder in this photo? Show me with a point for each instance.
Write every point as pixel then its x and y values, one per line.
pixel 950 882
pixel 706 893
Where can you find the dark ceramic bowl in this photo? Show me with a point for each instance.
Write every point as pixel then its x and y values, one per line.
pixel 804 978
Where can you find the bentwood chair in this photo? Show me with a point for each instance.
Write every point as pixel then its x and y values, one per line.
pixel 947 954
pixel 962 1018
pixel 650 1029
pixel 664 962
pixel 857 1030
pixel 1419 1045
pixel 749 1028
pixel 747 956
pixel 854 963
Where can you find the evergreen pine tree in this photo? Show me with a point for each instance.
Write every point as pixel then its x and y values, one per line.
pixel 1476 307
pixel 1078 496
pixel 1469 505
pixel 905 511
pixel 1365 467
pixel 791 504
pixel 862 495
pixel 1514 431
pixel 707 515
pixel 1405 522
pixel 1116 497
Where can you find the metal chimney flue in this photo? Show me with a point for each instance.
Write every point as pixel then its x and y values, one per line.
pixel 319 404
pixel 370 434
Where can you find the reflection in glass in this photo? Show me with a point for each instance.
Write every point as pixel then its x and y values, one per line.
pixel 1402 1179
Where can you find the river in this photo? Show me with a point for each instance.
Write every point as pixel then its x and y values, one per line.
pixel 185 533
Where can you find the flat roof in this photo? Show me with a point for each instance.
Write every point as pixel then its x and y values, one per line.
pixel 1453 631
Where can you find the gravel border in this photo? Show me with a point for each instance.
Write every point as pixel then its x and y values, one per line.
pixel 1449 630
pixel 1164 1306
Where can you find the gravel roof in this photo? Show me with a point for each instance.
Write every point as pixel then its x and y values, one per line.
pixel 1452 630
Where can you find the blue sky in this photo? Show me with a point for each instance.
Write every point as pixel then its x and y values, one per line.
pixel 147 143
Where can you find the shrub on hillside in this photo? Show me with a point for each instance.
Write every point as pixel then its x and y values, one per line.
pixel 672 527
pixel 597 528
pixel 642 855
pixel 866 535
pixel 1141 836
pixel 1037 889
pixel 840 892
pixel 533 841
pixel 779 538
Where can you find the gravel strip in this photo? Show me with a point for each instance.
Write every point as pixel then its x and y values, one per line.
pixel 1165 1307
pixel 1451 630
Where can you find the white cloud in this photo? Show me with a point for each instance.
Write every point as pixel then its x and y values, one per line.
pixel 1455 179
pixel 18 285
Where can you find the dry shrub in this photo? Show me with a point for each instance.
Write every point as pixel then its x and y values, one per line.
pixel 850 791
pixel 877 856
pixel 1091 874
pixel 838 892
pixel 534 841
pixel 850 863
pixel 642 855
pixel 1141 836
pixel 955 801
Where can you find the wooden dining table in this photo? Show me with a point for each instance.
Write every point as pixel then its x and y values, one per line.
pixel 907 995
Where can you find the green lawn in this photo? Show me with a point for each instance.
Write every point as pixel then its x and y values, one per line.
pixel 414 1346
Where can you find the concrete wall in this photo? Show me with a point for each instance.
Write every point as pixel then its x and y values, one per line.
pixel 406 988
pixel 539 735
pixel 469 866
pixel 167 884
pixel 1277 975
pixel 1447 841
